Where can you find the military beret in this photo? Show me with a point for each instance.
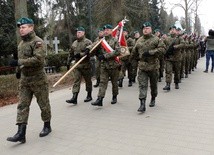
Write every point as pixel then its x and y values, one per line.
pixel 100 29
pixel 136 32
pixel 146 24
pixel 107 26
pixel 172 27
pixel 24 20
pixel 80 29
pixel 125 29
pixel 157 30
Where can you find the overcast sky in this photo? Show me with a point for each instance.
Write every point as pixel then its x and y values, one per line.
pixel 206 12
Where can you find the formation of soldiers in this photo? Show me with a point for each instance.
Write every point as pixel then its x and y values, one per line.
pixel 152 56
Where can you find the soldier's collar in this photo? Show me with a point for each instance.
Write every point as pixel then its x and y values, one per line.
pixel 28 36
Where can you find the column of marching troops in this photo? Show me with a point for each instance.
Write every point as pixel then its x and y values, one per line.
pixel 151 54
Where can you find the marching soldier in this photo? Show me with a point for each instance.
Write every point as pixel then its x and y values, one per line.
pixel 77 51
pixel 33 80
pixel 161 57
pixel 125 61
pixel 109 67
pixel 134 62
pixel 175 44
pixel 97 65
pixel 147 50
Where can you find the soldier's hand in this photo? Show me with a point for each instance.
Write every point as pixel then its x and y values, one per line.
pixel 77 56
pixel 13 63
pixel 86 52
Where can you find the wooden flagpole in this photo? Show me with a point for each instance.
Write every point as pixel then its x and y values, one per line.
pixel 72 68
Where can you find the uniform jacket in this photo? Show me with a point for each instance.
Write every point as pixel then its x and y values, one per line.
pixel 154 46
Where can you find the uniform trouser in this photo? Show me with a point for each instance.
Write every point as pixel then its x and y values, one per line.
pixel 183 62
pixel 97 66
pixel 105 74
pixel 143 78
pixel 26 92
pixel 134 68
pixel 191 60
pixel 187 62
pixel 161 69
pixel 78 74
pixel 126 65
pixel 170 67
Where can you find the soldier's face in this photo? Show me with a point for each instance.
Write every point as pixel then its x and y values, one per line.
pixel 80 34
pixel 137 35
pixel 107 32
pixel 25 29
pixel 100 33
pixel 147 30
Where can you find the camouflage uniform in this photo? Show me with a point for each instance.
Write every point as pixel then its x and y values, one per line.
pixel 109 69
pixel 126 63
pixel 148 65
pixel 31 54
pixel 84 68
pixel 173 60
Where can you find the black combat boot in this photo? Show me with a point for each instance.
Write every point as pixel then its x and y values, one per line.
pixel 20 135
pixel 176 86
pixel 212 69
pixel 186 75
pixel 120 84
pixel 88 98
pixel 73 99
pixel 152 103
pixel 46 129
pixel 167 87
pixel 142 107
pixel 98 83
pixel 98 102
pixel 130 83
pixel 114 100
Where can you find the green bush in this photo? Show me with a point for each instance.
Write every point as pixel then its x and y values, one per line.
pixel 57 60
pixel 8 85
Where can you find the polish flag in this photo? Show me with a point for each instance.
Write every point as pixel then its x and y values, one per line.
pixel 108 49
pixel 117 32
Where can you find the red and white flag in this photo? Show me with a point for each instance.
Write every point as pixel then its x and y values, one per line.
pixel 108 49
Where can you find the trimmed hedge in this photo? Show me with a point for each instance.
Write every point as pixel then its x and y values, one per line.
pixel 57 60
pixel 8 85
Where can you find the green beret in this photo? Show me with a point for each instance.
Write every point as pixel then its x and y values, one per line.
pixel 136 32
pixel 146 24
pixel 80 29
pixel 23 21
pixel 100 29
pixel 157 30
pixel 125 29
pixel 107 26
pixel 172 27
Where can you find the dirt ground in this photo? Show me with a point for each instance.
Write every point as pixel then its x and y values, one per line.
pixel 52 78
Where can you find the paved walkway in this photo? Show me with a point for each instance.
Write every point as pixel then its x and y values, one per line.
pixel 182 123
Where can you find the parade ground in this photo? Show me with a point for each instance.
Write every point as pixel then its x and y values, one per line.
pixel 181 123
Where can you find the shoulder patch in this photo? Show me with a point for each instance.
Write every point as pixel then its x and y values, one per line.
pixel 38 44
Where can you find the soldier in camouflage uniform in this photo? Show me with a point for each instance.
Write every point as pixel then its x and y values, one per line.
pixel 100 35
pixel 161 57
pixel 33 80
pixel 77 51
pixel 109 67
pixel 147 49
pixel 175 44
pixel 134 62
pixel 125 61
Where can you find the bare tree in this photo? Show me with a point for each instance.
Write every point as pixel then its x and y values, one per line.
pixel 187 7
